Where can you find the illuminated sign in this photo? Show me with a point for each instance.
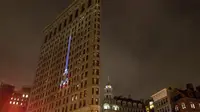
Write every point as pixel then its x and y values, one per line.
pixel 65 80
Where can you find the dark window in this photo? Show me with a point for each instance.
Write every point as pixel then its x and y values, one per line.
pixel 84 103
pixel 92 101
pixel 55 30
pixel 83 8
pixel 89 3
pixel 46 38
pixel 97 91
pixel 76 14
pixel 92 90
pixel 70 18
pixel 65 22
pixel 59 27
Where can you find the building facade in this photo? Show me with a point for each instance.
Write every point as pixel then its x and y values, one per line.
pixel 177 100
pixel 163 101
pixel 187 100
pixel 67 75
pixel 120 104
pixel 6 91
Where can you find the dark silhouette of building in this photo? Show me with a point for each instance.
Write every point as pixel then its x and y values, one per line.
pixel 6 91
pixel 19 100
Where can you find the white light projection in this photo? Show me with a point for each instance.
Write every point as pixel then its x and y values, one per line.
pixel 65 81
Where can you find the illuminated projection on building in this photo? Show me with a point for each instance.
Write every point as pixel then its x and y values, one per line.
pixel 65 80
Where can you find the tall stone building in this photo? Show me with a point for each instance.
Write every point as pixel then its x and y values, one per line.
pixel 67 75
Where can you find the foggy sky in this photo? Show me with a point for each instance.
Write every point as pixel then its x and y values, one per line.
pixel 146 45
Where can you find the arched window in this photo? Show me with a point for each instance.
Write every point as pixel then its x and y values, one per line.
pixel 115 107
pixel 176 108
pixel 183 106
pixel 192 105
pixel 106 106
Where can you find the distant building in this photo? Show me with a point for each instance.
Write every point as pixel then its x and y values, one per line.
pixel 162 100
pixel 187 100
pixel 177 100
pixel 120 104
pixel 6 91
pixel 19 100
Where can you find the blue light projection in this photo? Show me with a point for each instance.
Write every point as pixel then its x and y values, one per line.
pixel 66 79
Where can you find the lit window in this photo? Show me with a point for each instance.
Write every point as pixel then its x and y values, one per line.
pixel 17 103
pixel 10 102
pixel 108 86
pixel 76 97
pixel 72 98
pixel 23 95
pixel 21 104
pixel 11 98
pixel 151 105
pixel 26 96
pixel 13 102
pixel 115 107
pixel 176 108
pixel 183 105
pixel 106 106
pixel 18 99
pixel 14 98
pixel 192 105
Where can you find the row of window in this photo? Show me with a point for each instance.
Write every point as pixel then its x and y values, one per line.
pixel 68 20
pixel 190 105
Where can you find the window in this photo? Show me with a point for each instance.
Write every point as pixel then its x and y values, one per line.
pixel 176 108
pixel 97 91
pixel 59 27
pixel 192 105
pixel 106 106
pixel 76 14
pixel 92 101
pixel 65 23
pixel 84 103
pixel 89 3
pixel 92 90
pixel 83 8
pixel 85 93
pixel 70 18
pixel 183 106
pixel 97 101
pixel 115 107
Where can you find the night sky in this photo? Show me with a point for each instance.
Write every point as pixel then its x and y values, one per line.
pixel 146 45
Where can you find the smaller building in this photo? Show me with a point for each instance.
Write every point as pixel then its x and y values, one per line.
pixel 187 100
pixel 177 100
pixel 162 100
pixel 6 91
pixel 19 100
pixel 119 103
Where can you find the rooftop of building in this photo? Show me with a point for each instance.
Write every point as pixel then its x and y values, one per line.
pixel 126 99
